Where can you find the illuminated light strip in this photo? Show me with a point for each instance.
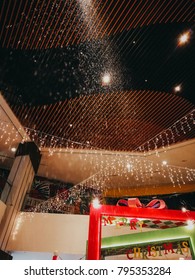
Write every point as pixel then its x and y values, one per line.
pixel 120 121
pixel 49 26
pixel 67 22
pixel 88 25
pixel 143 14
pixel 62 117
pixel 67 114
pixel 43 28
pixel 103 110
pixel 79 24
pixel 24 25
pixel 65 121
pixel 154 14
pixel 10 22
pixel 191 18
pixel 90 101
pixel 100 24
pixel 37 29
pixel 19 25
pixel 152 10
pixel 5 19
pixel 132 15
pixel 143 108
pixel 128 20
pixel 56 33
pixel 191 8
pixel 31 21
pixel 46 121
pixel 165 130
pixel 119 17
pixel 124 18
pixel 141 11
pixel 165 100
pixel 110 18
pixel 174 9
pixel 89 28
pixel 180 11
pixel 183 12
pixel 46 27
pixel 70 28
pixel 164 11
pixel 169 9
pixel 105 106
pixel 30 116
pixel 53 118
pixel 54 30
pixel 154 131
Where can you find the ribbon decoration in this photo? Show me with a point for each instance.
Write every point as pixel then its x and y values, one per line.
pixel 135 202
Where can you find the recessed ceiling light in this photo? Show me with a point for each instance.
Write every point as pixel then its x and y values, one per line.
pixel 106 79
pixel 184 38
pixel 177 88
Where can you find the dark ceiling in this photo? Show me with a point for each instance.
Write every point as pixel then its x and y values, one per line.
pixel 54 53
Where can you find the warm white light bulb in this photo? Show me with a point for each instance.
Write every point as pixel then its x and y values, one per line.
pixel 184 38
pixel 96 203
pixel 177 88
pixel 164 162
pixel 106 79
pixel 183 209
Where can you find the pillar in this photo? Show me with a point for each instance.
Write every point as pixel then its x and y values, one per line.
pixel 25 166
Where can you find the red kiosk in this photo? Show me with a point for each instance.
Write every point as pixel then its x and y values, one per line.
pixel 165 220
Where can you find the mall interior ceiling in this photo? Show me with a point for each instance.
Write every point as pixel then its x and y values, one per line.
pixel 100 75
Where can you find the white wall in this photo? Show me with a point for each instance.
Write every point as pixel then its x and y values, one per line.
pixel 2 209
pixel 42 232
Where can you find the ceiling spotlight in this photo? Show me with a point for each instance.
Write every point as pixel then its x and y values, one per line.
pixel 13 149
pixel 106 79
pixel 184 38
pixel 177 88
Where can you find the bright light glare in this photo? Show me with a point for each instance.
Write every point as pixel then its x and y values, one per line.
pixel 177 88
pixel 184 38
pixel 129 166
pixel 13 149
pixel 164 162
pixel 183 209
pixel 96 203
pixel 106 79
pixel 190 224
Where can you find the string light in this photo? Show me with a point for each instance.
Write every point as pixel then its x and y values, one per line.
pixel 169 136
pixel 135 168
